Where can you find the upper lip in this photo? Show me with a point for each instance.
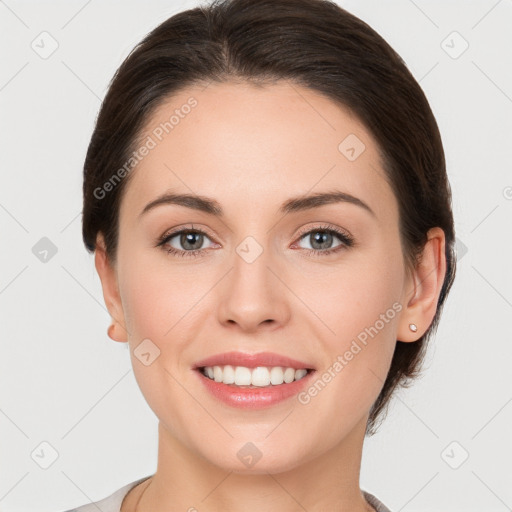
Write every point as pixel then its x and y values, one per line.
pixel 269 359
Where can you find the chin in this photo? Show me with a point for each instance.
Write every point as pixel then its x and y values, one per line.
pixel 249 459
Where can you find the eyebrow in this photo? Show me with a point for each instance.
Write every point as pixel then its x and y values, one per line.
pixel 296 204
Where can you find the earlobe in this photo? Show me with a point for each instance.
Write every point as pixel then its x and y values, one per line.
pixel 116 332
pixel 422 293
pixel 108 277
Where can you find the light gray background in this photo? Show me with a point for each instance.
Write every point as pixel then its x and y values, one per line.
pixel 64 382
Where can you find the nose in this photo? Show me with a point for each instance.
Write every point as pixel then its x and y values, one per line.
pixel 253 296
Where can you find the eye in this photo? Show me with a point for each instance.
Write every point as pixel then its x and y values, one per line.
pixel 189 242
pixel 185 242
pixel 321 239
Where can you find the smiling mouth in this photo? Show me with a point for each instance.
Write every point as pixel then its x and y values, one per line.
pixel 258 377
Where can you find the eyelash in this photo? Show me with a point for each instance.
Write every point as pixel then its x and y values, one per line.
pixel 346 239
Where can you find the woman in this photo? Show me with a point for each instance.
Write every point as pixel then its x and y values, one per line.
pixel 266 196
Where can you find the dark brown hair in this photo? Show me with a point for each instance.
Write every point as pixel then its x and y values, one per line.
pixel 312 43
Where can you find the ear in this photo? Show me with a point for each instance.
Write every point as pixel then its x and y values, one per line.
pixel 108 276
pixel 423 288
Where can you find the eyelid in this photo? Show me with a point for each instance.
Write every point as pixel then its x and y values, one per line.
pixel 325 226
pixel 184 227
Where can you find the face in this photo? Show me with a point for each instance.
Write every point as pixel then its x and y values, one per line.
pixel 323 285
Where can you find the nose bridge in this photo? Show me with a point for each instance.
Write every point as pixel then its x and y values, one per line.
pixel 251 264
pixel 253 294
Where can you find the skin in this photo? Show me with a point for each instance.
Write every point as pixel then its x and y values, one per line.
pixel 251 148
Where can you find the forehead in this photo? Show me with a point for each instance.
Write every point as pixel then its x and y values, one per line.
pixel 241 142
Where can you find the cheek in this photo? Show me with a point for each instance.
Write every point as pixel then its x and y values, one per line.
pixel 356 310
pixel 358 326
pixel 157 295
pixel 157 306
pixel 352 298
pixel 143 304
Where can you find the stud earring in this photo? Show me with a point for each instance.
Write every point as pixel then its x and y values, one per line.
pixel 413 327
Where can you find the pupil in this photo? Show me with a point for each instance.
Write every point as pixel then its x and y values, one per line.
pixel 318 237
pixel 189 238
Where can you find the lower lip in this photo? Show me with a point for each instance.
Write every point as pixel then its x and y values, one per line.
pixel 254 398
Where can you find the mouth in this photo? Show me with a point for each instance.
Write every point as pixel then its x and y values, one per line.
pixel 254 388
pixel 252 378
pixel 253 381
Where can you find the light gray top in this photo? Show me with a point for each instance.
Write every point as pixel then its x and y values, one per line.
pixel 113 502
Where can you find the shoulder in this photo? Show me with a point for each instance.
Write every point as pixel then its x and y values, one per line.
pixel 111 503
pixel 375 503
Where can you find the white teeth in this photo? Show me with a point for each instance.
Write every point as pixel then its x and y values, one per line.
pixel 260 376
pixel 217 373
pixel 300 373
pixel 276 376
pixel 289 375
pixel 242 376
pixel 228 374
